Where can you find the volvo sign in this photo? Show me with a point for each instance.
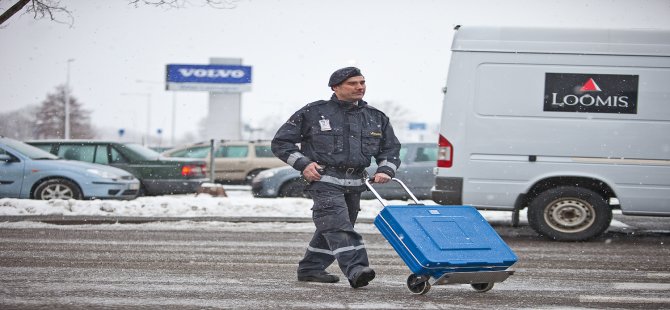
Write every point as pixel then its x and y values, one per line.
pixel 214 78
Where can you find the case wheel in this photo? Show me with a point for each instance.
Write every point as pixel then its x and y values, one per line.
pixel 418 284
pixel 482 287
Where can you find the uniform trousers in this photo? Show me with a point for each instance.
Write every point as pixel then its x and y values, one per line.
pixel 334 214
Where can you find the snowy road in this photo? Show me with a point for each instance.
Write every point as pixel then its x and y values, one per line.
pixel 196 265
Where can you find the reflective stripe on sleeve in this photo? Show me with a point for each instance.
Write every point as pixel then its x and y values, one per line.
pixel 293 158
pixel 388 164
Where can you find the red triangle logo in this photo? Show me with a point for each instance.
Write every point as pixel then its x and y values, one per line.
pixel 590 85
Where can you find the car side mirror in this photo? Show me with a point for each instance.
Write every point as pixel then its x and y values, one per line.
pixel 5 158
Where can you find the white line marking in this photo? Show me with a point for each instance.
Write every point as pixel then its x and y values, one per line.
pixel 643 286
pixel 625 300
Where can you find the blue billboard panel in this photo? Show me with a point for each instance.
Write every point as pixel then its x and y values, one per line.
pixel 417 126
pixel 226 78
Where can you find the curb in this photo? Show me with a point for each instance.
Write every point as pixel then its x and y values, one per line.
pixel 83 219
pixel 96 219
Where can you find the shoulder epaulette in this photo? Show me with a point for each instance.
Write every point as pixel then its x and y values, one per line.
pixel 318 102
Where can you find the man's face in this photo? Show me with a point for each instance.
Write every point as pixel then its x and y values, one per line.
pixel 352 89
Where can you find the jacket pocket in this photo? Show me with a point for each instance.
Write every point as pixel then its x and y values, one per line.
pixel 371 141
pixel 328 142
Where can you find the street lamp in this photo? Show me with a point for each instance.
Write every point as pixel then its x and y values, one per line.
pixel 174 109
pixel 67 101
pixel 148 95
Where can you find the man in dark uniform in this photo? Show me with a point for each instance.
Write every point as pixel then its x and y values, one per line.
pixel 338 138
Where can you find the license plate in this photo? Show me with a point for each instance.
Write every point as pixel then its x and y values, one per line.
pixel 135 186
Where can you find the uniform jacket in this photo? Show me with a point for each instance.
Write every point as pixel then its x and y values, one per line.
pixel 338 134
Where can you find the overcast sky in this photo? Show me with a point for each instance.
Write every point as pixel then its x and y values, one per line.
pixel 402 48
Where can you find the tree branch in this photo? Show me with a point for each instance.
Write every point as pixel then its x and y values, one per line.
pixel 13 10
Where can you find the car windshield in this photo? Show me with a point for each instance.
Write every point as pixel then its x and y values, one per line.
pixel 29 150
pixel 142 151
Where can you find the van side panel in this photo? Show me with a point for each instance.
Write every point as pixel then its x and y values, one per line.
pixel 505 141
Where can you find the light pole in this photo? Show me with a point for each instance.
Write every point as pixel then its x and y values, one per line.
pixel 67 101
pixel 174 109
pixel 148 95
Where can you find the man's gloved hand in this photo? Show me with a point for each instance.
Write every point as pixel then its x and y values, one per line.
pixel 311 172
pixel 381 177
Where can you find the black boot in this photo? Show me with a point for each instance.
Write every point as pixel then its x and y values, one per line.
pixel 362 277
pixel 321 277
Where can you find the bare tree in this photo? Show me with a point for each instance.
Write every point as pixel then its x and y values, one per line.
pixel 39 9
pixel 56 12
pixel 50 118
pixel 397 113
pixel 19 124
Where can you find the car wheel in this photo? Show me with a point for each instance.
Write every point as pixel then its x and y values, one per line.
pixel 293 188
pixel 569 213
pixel 57 189
pixel 250 177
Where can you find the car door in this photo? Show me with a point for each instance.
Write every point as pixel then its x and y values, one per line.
pixel 231 162
pixel 115 159
pixel 11 175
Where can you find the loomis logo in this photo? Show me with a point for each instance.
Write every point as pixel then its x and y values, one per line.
pixel 595 93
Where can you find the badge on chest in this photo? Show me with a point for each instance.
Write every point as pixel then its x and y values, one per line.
pixel 325 125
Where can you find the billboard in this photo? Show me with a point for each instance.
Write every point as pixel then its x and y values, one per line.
pixel 215 78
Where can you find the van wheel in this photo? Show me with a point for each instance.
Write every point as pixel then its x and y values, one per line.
pixel 293 188
pixel 569 213
pixel 57 189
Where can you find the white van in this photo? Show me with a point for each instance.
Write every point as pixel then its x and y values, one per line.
pixel 568 123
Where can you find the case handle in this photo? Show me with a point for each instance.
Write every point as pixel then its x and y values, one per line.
pixel 368 183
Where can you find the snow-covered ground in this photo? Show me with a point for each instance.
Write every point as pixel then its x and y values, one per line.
pixel 239 203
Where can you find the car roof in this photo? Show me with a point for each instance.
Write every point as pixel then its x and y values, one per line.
pixel 79 141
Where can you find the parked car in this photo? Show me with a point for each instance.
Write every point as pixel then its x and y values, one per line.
pixel 234 161
pixel 416 171
pixel 29 172
pixel 157 175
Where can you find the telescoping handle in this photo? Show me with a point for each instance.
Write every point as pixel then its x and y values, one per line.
pixel 368 183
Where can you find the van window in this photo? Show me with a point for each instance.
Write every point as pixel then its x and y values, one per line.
pixel 232 151
pixel 264 151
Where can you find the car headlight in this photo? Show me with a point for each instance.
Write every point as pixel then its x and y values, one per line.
pixel 265 174
pixel 103 174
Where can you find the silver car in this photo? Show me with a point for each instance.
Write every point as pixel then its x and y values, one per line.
pixel 29 172
pixel 416 171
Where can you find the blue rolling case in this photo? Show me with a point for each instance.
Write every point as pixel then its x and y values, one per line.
pixel 444 244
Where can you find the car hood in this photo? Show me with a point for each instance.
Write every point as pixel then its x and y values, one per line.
pixel 65 164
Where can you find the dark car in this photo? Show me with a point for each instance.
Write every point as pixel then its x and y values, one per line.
pixel 416 171
pixel 158 175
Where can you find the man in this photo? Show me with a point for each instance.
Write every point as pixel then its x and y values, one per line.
pixel 337 139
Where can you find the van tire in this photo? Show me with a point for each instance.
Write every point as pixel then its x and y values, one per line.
pixel 569 213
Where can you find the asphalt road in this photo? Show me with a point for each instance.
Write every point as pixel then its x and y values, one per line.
pixel 248 266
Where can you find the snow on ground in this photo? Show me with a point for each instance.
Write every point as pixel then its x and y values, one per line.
pixel 239 203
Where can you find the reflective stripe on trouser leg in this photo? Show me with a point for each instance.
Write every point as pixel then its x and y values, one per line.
pixel 334 215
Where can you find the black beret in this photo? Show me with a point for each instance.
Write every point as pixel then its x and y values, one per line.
pixel 342 75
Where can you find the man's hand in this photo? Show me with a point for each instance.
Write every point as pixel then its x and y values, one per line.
pixel 381 177
pixel 311 173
